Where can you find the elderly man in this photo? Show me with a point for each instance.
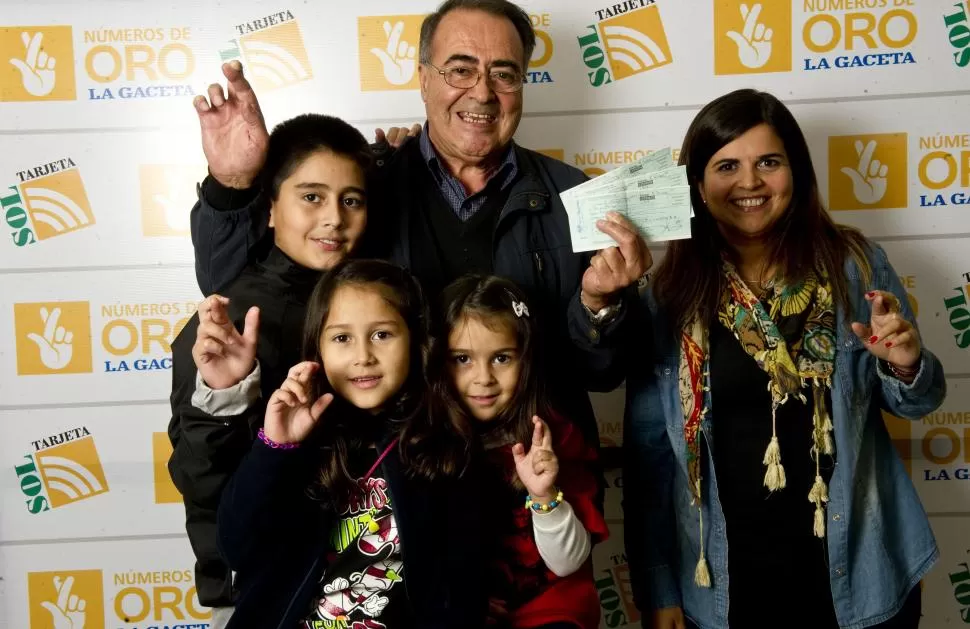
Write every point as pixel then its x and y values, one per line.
pixel 462 197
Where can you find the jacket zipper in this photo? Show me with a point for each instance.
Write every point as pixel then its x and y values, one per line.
pixel 538 259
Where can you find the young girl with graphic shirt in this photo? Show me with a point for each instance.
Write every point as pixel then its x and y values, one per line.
pixel 543 486
pixel 327 518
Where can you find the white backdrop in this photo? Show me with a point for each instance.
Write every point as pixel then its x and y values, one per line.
pixel 100 156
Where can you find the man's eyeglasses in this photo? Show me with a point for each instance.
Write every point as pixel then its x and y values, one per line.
pixel 466 77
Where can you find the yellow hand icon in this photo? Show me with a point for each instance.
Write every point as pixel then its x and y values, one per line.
pixel 754 40
pixel 398 57
pixel 56 348
pixel 36 68
pixel 869 181
pixel 68 612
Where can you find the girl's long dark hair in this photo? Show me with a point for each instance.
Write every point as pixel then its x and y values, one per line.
pixel 489 299
pixel 345 428
pixel 689 280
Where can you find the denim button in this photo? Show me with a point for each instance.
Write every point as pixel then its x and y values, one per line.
pixel 667 371
pixel 838 572
pixel 836 517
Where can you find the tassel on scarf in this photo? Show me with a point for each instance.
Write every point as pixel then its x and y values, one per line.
pixel 823 422
pixel 819 495
pixel 702 574
pixel 822 437
pixel 829 447
pixel 775 474
pixel 819 521
pixel 819 492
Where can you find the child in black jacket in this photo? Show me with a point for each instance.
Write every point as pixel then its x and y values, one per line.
pixel 241 343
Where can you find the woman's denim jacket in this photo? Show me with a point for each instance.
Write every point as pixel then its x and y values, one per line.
pixel 879 540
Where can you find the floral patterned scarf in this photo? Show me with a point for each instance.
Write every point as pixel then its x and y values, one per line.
pixel 806 363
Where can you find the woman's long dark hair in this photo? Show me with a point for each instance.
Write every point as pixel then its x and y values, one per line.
pixel 689 281
pixel 345 428
pixel 488 299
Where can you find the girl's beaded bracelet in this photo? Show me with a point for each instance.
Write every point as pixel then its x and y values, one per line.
pixel 544 508
pixel 261 435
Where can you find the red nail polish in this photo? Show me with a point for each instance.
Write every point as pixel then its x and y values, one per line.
pixel 873 339
pixel 871 293
pixel 889 343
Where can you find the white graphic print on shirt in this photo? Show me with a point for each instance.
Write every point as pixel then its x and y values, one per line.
pixel 366 566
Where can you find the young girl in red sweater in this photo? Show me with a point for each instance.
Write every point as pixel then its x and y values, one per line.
pixel 541 477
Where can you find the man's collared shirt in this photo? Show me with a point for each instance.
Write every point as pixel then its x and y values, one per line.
pixel 452 189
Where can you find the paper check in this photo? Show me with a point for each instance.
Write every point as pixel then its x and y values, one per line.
pixel 659 213
pixel 658 160
pixel 652 193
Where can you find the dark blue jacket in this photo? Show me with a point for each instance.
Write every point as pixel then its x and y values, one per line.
pixel 277 538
